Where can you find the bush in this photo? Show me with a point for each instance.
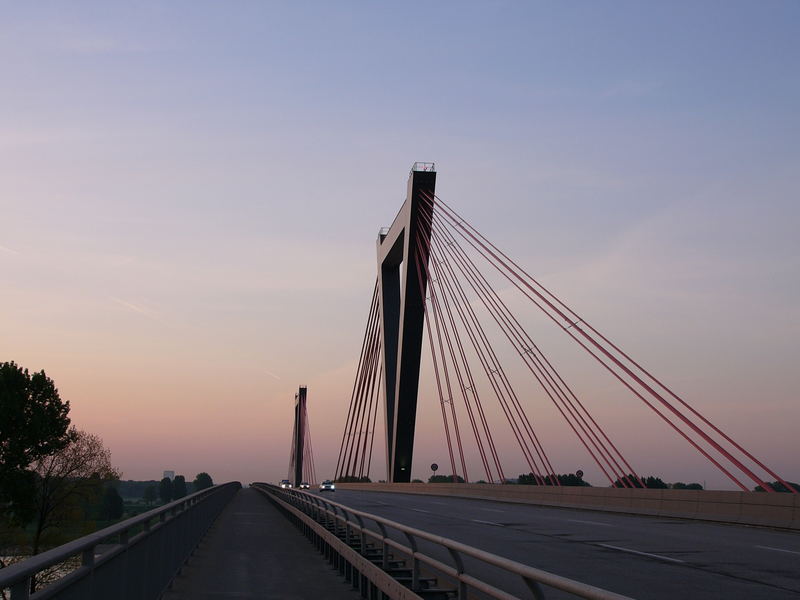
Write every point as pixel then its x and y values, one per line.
pixel 779 487
pixel 686 486
pixel 112 506
pixel 445 479
pixel 650 482
pixel 568 479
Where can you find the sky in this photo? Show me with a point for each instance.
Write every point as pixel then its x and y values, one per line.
pixel 190 194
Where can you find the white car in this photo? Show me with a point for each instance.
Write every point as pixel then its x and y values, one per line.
pixel 327 485
pixel 304 485
pixel 286 484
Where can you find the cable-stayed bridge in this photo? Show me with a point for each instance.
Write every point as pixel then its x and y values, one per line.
pixel 437 304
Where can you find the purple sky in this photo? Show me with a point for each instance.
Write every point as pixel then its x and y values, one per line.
pixel 190 194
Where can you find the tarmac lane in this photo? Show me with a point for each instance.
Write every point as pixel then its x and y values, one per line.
pixel 650 558
pixel 253 552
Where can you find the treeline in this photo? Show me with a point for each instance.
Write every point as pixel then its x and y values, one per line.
pixel 627 481
pixel 175 489
pixel 151 490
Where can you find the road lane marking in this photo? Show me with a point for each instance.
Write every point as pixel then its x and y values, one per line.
pixel 658 556
pixel 487 522
pixel 420 510
pixel 590 522
pixel 492 510
pixel 778 549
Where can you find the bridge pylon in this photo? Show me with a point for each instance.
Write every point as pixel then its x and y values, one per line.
pixel 298 437
pixel 402 288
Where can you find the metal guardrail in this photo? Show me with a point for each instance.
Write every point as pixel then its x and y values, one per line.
pixel 349 523
pixel 144 553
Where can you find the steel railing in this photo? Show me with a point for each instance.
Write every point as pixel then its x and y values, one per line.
pixel 140 556
pixel 423 166
pixel 348 523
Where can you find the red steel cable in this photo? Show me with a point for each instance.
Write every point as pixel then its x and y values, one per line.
pixel 462 387
pixel 358 431
pixel 511 326
pixel 579 319
pixel 436 372
pixel 466 234
pixel 372 311
pixel 445 372
pixel 474 388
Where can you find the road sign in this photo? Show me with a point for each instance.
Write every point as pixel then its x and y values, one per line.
pixel 579 474
pixel 434 467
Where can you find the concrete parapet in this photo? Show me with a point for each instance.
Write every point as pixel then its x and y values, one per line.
pixel 747 508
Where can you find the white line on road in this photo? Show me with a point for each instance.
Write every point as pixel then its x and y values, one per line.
pixel 420 510
pixel 492 510
pixel 778 549
pixel 590 522
pixel 658 556
pixel 487 522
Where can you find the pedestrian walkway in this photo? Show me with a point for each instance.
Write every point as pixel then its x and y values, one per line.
pixel 253 552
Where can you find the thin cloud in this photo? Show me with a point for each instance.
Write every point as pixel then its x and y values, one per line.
pixel 135 308
pixel 271 374
pixel 8 250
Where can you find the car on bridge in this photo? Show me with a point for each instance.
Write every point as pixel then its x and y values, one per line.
pixel 286 484
pixel 304 485
pixel 327 486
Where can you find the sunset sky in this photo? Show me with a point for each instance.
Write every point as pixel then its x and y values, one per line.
pixel 190 194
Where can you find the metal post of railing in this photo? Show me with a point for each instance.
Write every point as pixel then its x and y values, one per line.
pixel 21 590
pixel 362 534
pixel 459 564
pixel 384 546
pixel 535 588
pixel 414 561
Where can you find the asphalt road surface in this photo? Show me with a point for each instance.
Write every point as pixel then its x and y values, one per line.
pixel 253 552
pixel 650 558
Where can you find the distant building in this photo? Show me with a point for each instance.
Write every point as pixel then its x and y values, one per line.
pixel 170 474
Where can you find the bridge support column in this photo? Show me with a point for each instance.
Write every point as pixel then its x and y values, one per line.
pixel 402 290
pixel 298 437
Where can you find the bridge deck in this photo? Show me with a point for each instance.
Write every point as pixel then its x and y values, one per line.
pixel 253 552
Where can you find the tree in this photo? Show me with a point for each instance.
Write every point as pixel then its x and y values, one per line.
pixel 202 481
pixel 778 486
pixel 178 487
pixel 353 479
pixel 34 422
pixel 112 507
pixel 150 494
pixel 651 482
pixel 567 479
pixel 165 490
pixel 686 486
pixel 68 480
pixel 445 479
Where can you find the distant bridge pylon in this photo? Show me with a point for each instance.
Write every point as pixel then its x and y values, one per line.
pixel 301 455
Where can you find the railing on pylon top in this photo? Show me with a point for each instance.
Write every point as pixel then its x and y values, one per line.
pixel 423 166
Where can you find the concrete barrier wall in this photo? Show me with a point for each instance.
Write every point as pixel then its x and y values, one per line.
pixel 747 508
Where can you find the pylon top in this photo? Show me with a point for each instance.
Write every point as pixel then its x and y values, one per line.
pixel 423 166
